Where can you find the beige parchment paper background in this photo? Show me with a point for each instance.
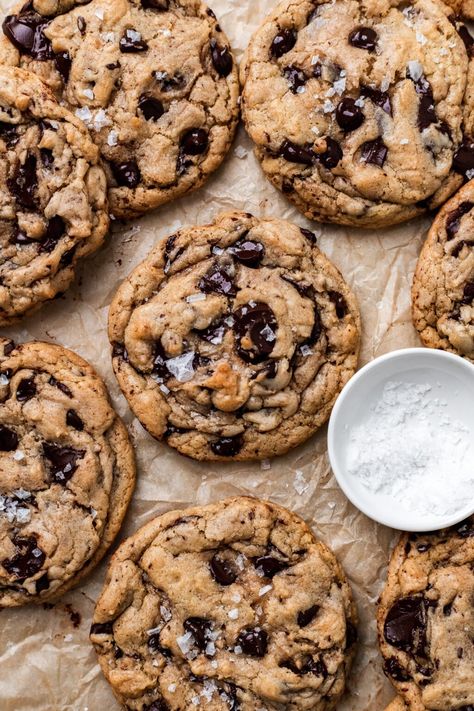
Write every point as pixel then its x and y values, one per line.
pixel 46 661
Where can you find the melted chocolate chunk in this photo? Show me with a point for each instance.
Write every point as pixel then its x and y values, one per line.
pixel 218 281
pixel 364 38
pixel 66 261
pixel 8 132
pixel 8 439
pixel 172 429
pixel 227 446
pixel 256 322
pixel 468 294
pixel 26 32
pixel 28 561
pixel 151 108
pixel 453 219
pixel 405 624
pixel 24 182
pixel 295 78
pixel 283 42
pixel 160 5
pixel 42 584
pixel 294 153
pixel 200 629
pixel 63 64
pixel 458 248
pixel 316 667
pixel 47 157
pixel 254 642
pixel 463 160
pixel 248 252
pixel 63 461
pixel 379 98
pixel 221 59
pixel 131 42
pixel 269 565
pixel 26 389
pixel 195 142
pixel 222 570
pixel 73 420
pixel 167 83
pixel 61 386
pixel 21 238
pixel 214 333
pixel 127 173
pixel 159 362
pixel 339 302
pixel 348 115
pixel 305 617
pixel 332 155
pixel 102 628
pixel 393 670
pixel 310 236
pixel 374 152
pixel 55 230
pixel 426 109
pixel 154 645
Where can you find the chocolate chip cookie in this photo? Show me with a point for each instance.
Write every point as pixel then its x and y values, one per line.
pixel 361 113
pixel 443 286
pixel 233 340
pixel 66 471
pixel 153 80
pixel 234 605
pixel 52 195
pixel 426 619
pixel 397 705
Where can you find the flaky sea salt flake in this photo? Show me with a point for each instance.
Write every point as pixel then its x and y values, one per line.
pixel 182 367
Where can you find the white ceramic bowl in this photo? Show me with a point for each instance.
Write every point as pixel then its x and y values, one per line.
pixel 451 378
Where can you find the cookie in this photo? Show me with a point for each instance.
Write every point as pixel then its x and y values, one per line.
pixel 462 8
pixel 233 605
pixel 233 340
pixel 361 113
pixel 443 285
pixel 426 619
pixel 397 705
pixel 153 80
pixel 52 195
pixel 66 471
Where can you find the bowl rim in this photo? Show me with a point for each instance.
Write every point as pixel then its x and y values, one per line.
pixel 342 477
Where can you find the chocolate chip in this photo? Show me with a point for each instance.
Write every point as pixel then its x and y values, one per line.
pixel 42 584
pixel 8 439
pixel 8 132
pixel 24 182
pixel 160 5
pixel 218 281
pixel 363 38
pixel 55 230
pixel 200 629
pixel 127 173
pixel 332 155
pixel 222 570
pixel 159 362
pixel 468 294
pixel 305 617
pixel 154 645
pixel 61 386
pixel 172 429
pixel 63 461
pixel 294 153
pixel 405 624
pixel 151 108
pixel 26 390
pixel 310 236
pixel 102 628
pixel 248 252
pixel 131 42
pixel 426 109
pixel 339 302
pixel 195 142
pixel 253 641
pixel 256 322
pixel 393 670
pixel 47 157
pixel 227 446
pixel 221 59
pixel 348 115
pixel 73 420
pixel 316 667
pixel 283 42
pixel 63 64
pixel 374 152
pixel 66 260
pixel 295 77
pixel 82 25
pixel 26 32
pixel 269 565
pixel 28 561
pixel 113 65
pixel 379 98
pixel 463 160
pixel 453 219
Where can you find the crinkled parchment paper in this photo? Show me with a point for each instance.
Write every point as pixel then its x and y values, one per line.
pixel 46 662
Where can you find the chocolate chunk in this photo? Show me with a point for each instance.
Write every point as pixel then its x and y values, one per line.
pixel 465 529
pixel 200 629
pixel 195 142
pixel 305 290
pixel 102 628
pixel 42 584
pixel 283 42
pixel 55 230
pixel 159 362
pixel 222 570
pixel 8 439
pixel 310 236
pixel 468 294
pixel 113 65
pixel 159 704
pixel 81 25
pixel 151 108
pixel 218 281
pixel 73 420
pixel 458 248
pixel 28 561
pixel 66 260
pixel 63 461
pixel 47 157
pixel 379 98
pixel 332 155
pixel 447 609
pixel 294 153
pixel 248 252
pixel 405 624
pixel 9 347
pixel 160 5
pixel 131 42
pixel 374 152
pixel 316 667
pixel 154 645
pixel 463 160
pixel 316 331
pixel 269 565
pixel 305 617
pixel 254 642
pixel 26 32
pixel 63 64
pixel 295 77
pixel 348 115
pixel 172 429
pixel 256 322
pixel 24 182
pixel 221 59
pixel 26 389
pixel 127 173
pixel 8 132
pixel 61 386
pixel 214 333
pixel 426 109
pixel 227 446
pixel 167 83
pixel 363 38
pixel 340 303
pixel 393 670
pixel 453 219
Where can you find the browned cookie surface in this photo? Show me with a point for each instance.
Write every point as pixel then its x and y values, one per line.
pixel 66 471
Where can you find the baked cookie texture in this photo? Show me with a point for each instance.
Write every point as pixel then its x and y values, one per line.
pixel 426 619
pixel 66 471
pixel 361 113
pixel 443 285
pixel 233 340
pixel 53 206
pixel 397 705
pixel 233 605
pixel 153 80
pixel 462 8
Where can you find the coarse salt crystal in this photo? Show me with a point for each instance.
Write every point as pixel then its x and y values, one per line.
pixel 263 591
pixel 470 173
pixel 301 90
pixel 101 120
pixel 415 69
pixel 99 13
pixel 300 485
pixel 236 597
pixel 404 141
pixel 233 614
pixel 305 350
pixel 164 389
pixel 133 35
pixel 328 107
pixel 165 613
pixel 241 152
pixel 108 36
pixel 182 367
pixel 88 93
pixel 360 102
pixel 166 33
pixel 237 649
pixel 3 379
pixel 268 334
pixel 84 113
pixel 112 138
pixel 210 649
pixel 18 455
pixel 172 688
pixel 192 298
pixel 214 664
pixel 185 642
pixel 265 464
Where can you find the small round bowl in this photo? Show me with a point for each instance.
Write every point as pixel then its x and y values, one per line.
pixel 452 381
